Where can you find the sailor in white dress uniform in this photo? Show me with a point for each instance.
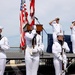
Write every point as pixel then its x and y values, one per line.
pixel 59 50
pixel 56 28
pixel 72 27
pixel 32 54
pixel 3 46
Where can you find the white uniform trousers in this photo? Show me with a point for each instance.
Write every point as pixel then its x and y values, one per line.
pixel 73 42
pixel 54 37
pixel 58 66
pixel 2 65
pixel 32 63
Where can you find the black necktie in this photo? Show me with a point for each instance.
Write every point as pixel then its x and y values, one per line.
pixel 0 36
pixel 34 41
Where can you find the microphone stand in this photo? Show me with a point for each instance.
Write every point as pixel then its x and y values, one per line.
pixel 37 20
pixel 40 23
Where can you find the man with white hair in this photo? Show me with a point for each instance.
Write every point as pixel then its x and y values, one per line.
pixel 33 48
pixel 59 50
pixel 3 46
pixel 72 27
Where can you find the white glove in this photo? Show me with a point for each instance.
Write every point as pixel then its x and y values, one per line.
pixel 60 58
pixel 64 47
pixel 41 48
pixel 64 61
pixel 33 32
pixel 34 50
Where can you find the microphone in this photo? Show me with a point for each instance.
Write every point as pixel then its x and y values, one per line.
pixel 36 18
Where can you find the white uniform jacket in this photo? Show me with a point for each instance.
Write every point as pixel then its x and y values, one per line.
pixel 38 47
pixel 29 37
pixel 73 33
pixel 73 30
pixel 56 27
pixel 57 50
pixel 3 46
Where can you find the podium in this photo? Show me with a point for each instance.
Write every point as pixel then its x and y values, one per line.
pixel 38 26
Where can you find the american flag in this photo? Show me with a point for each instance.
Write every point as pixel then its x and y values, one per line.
pixel 23 22
pixel 32 11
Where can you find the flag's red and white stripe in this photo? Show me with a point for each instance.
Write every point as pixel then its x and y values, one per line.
pixel 32 11
pixel 24 19
pixel 23 22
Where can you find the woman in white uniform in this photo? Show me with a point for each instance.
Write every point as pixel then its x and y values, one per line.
pixel 3 46
pixel 32 52
pixel 72 27
pixel 56 28
pixel 59 50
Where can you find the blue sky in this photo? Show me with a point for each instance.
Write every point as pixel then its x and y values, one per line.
pixel 45 10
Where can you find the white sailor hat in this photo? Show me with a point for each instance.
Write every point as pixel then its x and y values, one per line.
pixel 1 27
pixel 60 34
pixel 73 21
pixel 34 27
